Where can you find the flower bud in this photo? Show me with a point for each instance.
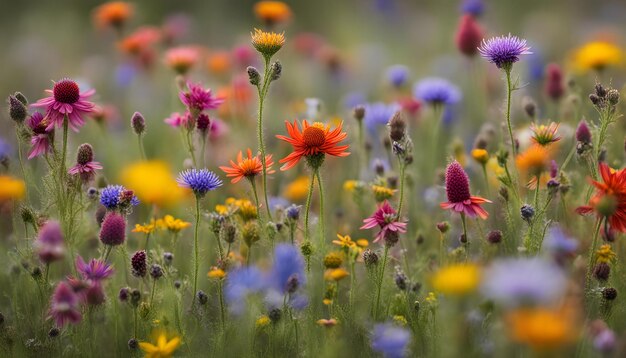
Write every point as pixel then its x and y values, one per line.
pixel 527 212
pixel 156 271
pixel 84 154
pixel 494 237
pixel 358 113
pixel 397 127
pixel 530 107
pixel 370 258
pixel 276 71
pixel 203 123
pixel 609 293
pixel 138 123
pixel 554 82
pixel 613 96
pixel 113 230
pixel 443 227
pixel 602 271
pixel 138 264
pixel 17 110
pixel 253 76
pixel 468 35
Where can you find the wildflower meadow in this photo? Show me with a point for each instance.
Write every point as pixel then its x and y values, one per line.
pixel 361 178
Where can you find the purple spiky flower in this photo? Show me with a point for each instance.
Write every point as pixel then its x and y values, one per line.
pixel 504 51
pixel 201 181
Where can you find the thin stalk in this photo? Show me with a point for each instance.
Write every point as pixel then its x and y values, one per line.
pixel 466 244
pixel 402 179
pixel 153 289
pixel 322 228
pixel 308 206
pixel 222 310
pixel 19 156
pixel 196 261
pixel 262 93
pixel 592 252
pixel 142 151
pixel 380 281
pixel 509 89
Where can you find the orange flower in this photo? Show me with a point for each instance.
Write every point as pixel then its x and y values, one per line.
pixel 140 40
pixel 247 168
pixel 314 139
pixel 610 198
pixel 113 14
pixel 182 58
pixel 542 328
pixel 533 160
pixel 219 62
pixel 272 12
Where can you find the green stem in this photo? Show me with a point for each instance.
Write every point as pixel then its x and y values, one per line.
pixel 380 281
pixel 222 310
pixel 322 228
pixel 196 261
pixel 508 109
pixel 592 252
pixel 262 93
pixel 19 156
pixel 402 179
pixel 308 207
pixel 152 295
pixel 142 151
pixel 192 151
pixel 466 244
pixel 569 157
pixel 203 149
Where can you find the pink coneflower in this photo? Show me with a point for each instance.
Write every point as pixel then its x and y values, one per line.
pixel 41 140
pixel 85 166
pixel 387 219
pixel 64 305
pixel 177 120
pixel 49 245
pixel 95 270
pixel 198 99
pixel 181 59
pixel 458 192
pixel 66 100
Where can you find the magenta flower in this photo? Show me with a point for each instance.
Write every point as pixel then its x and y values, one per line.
pixel 85 166
pixel 41 140
pixel 49 245
pixel 66 100
pixel 95 270
pixel 387 219
pixel 458 192
pixel 198 99
pixel 64 306
pixel 177 120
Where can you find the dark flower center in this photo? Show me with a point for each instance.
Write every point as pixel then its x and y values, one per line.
pixel 66 91
pixel 313 136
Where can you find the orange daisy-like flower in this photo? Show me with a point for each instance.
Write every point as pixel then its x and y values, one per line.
pixel 314 139
pixel 534 160
pixel 545 135
pixel 272 12
pixel 113 14
pixel 247 167
pixel 140 40
pixel 610 198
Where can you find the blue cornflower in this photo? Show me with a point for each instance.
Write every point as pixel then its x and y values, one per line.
pixel 243 282
pixel 378 115
pixel 293 212
pixel 504 51
pixel 113 196
pixel 514 282
pixel 397 75
pixel 437 91
pixel 354 99
pixel 201 181
pixel 390 340
pixel 288 269
pixel 473 7
pixel 559 243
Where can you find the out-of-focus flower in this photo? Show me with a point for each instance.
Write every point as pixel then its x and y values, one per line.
pixel 182 58
pixel 216 273
pixel 168 222
pixel 605 254
pixel 85 166
pixel 198 99
pixel 288 266
pixel 457 279
pixel 174 27
pixel 437 91
pixel 458 193
pixel 512 282
pixel 597 55
pixel 95 270
pixel 542 328
pixel 554 86
pixel 66 100
pixel 545 135
pixel 382 193
pixel 42 138
pixel 558 243
pixel 163 348
pixel 200 181
pixel 139 42
pixel 397 75
pixel 473 7
pixel 378 114
pixel 11 188
pixel 336 274
pixel 247 168
pixel 272 12
pixel 327 322
pixel 387 219
pixel 390 340
pixel 480 155
pixel 533 161
pixel 219 62
pixel 145 228
pixel 267 43
pixel 297 190
pixel 344 241
pixel 240 283
pixel 49 244
pixel 468 35
pixel 313 141
pixel 64 305
pixel 112 14
pixel 610 198
pixel 177 120
pixel 152 182
pixel 504 51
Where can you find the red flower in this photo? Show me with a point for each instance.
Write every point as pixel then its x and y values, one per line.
pixel 613 188
pixel 316 138
pixel 247 168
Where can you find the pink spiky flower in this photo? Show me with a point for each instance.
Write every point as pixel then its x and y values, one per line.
pixel 95 270
pixel 387 219
pixel 177 120
pixel 41 139
pixel 198 99
pixel 458 192
pixel 65 99
pixel 64 306
pixel 85 166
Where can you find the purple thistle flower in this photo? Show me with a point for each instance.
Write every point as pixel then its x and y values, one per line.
pixel 65 99
pixel 514 282
pixel 397 75
pixel 198 99
pixel 49 245
pixel 387 219
pixel 201 181
pixel 41 139
pixel 583 134
pixel 437 91
pixel 389 340
pixel 95 270
pixel 113 230
pixel 504 51
pixel 64 305
pixel 111 197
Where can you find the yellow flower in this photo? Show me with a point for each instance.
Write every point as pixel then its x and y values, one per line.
pixel 545 135
pixel 542 328
pixel 457 279
pixel 267 43
pixel 335 274
pixel 362 243
pixel 298 189
pixel 606 254
pixel 170 223
pixel 145 228
pixel 153 183
pixel 382 193
pixel 327 322
pixel 597 55
pixel 164 348
pixel 344 241
pixel 11 188
pixel 327 301
pixel 272 12
pixel 262 321
pixel 431 298
pixel 400 320
pixel 350 185
pixel 246 209
pixel 216 273
pixel 494 171
pixel 480 155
